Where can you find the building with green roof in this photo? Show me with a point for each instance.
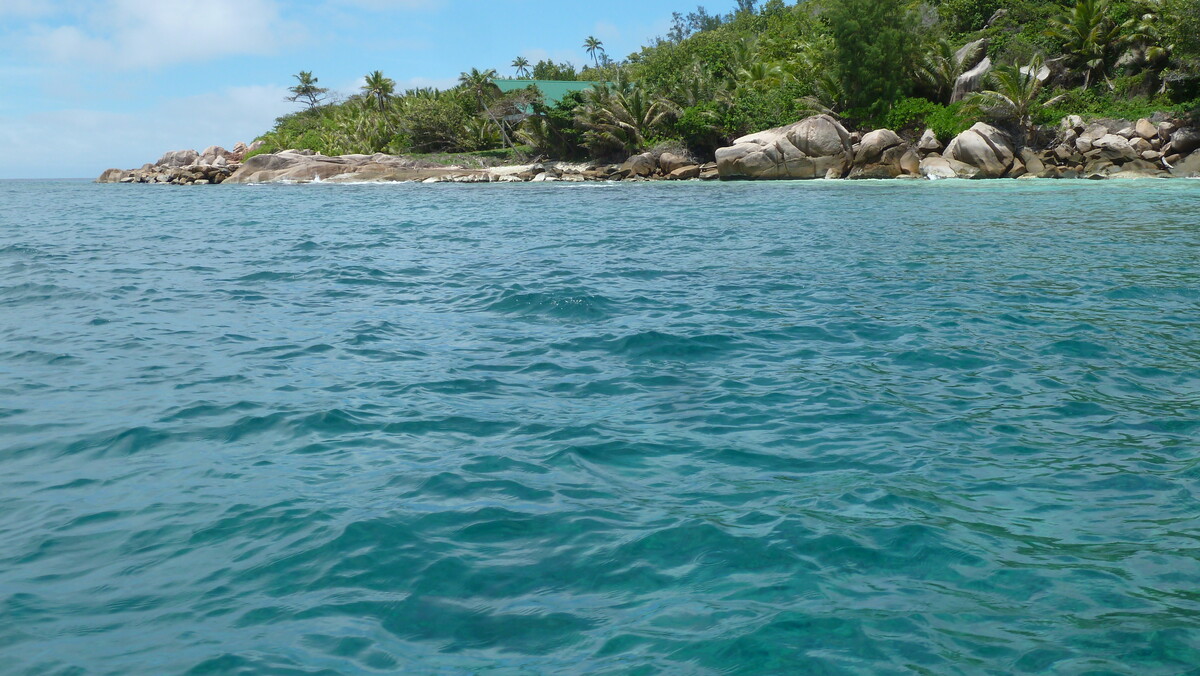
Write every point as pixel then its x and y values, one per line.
pixel 552 91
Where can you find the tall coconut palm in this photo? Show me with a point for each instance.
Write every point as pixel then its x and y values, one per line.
pixel 379 89
pixel 593 47
pixel 1015 92
pixel 306 89
pixel 522 65
pixel 1088 36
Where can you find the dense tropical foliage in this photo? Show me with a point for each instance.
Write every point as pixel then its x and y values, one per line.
pixel 714 77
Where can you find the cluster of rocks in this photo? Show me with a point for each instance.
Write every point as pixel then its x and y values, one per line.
pixel 215 165
pixel 186 167
pixel 665 166
pixel 820 147
pixel 816 147
pixel 1111 147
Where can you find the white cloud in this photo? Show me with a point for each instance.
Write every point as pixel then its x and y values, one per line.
pixel 82 143
pixel 130 34
pixel 27 8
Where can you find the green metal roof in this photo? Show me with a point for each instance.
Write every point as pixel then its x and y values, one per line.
pixel 552 90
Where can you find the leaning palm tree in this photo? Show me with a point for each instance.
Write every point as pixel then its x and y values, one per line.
pixel 522 65
pixel 379 89
pixel 481 85
pixel 1088 36
pixel 593 47
pixel 1015 92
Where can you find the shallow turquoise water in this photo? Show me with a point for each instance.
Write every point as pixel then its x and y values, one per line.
pixel 817 428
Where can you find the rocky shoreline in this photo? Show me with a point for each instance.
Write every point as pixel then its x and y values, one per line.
pixel 820 147
pixel 215 165
pixel 816 147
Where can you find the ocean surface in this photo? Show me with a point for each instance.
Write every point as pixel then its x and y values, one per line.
pixel 783 428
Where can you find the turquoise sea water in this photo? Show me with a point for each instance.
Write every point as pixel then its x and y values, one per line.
pixel 787 428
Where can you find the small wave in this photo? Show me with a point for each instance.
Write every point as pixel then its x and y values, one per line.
pixel 564 304
pixel 658 345
pixel 30 292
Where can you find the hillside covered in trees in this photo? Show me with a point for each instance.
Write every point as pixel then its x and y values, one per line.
pixel 903 65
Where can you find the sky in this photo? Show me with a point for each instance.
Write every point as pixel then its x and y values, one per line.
pixel 86 85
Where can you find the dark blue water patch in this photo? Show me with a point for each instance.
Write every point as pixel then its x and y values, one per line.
pixel 690 428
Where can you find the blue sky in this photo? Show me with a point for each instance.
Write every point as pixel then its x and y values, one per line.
pixel 92 84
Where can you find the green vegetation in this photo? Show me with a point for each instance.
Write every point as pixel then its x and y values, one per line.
pixel 715 77
pixel 873 41
pixel 306 90
pixel 1015 94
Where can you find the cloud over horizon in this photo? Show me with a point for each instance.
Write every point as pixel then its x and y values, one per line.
pixel 130 34
pixel 90 141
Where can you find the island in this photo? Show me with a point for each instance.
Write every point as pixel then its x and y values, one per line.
pixel 824 89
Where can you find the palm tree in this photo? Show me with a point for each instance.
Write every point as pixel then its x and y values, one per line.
pixel 593 46
pixel 1088 36
pixel 828 97
pixel 477 134
pixel 306 88
pixel 696 85
pixel 1015 91
pixel 379 89
pixel 480 84
pixel 761 73
pixel 745 54
pixel 522 65
pixel 942 66
pixel 1143 33
pixel 622 115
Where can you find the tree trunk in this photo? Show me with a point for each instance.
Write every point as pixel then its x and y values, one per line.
pixel 503 134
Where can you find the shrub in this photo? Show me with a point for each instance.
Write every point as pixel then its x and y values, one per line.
pixel 1102 103
pixel 916 114
pixel 697 126
pixel 964 16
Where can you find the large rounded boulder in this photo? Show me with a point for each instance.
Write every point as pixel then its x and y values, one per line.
pixel 178 158
pixel 815 147
pixel 883 154
pixel 1185 140
pixel 983 147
